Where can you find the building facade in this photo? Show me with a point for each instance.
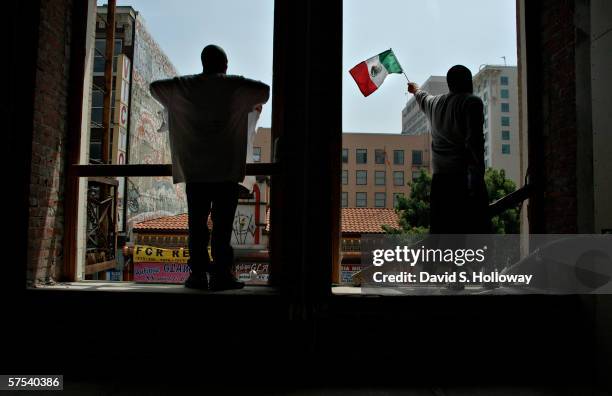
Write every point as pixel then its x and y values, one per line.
pixel 497 87
pixel 136 118
pixel 378 167
pixel 135 138
pixel 414 121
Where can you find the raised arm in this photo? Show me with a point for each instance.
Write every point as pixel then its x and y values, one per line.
pixel 257 92
pixel 160 90
pixel 424 100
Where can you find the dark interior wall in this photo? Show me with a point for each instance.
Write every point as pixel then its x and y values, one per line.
pixel 308 91
pixel 49 133
pixel 550 43
pixel 559 63
pixel 21 61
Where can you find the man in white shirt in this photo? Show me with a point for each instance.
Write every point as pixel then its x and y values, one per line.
pixel 208 126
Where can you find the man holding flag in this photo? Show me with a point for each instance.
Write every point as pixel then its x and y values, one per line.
pixel 459 199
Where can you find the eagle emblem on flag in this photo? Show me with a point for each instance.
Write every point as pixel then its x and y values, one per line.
pixel 375 70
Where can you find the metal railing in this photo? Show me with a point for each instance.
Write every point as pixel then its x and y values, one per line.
pixel 511 200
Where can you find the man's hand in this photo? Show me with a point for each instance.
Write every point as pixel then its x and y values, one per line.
pixel 412 87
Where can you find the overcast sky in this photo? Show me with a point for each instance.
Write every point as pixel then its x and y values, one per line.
pixel 428 36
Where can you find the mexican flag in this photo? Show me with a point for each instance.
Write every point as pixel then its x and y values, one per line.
pixel 370 74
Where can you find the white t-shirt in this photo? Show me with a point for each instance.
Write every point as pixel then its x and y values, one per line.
pixel 208 124
pixel 249 181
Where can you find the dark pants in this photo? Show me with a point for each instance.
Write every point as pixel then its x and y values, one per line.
pixel 456 210
pixel 221 199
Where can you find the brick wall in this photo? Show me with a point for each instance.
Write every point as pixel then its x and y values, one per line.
pixel 558 115
pixel 48 142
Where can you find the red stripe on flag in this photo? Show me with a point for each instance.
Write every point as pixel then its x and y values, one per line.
pixel 361 76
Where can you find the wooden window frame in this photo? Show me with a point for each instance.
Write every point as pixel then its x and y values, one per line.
pixel 305 93
pixel 76 170
pixel 306 119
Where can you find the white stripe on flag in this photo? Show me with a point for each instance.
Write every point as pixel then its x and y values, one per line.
pixel 379 73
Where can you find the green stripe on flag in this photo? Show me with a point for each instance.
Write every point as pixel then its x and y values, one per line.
pixel 390 62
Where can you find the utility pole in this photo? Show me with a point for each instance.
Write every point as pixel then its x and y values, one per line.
pixel 108 80
pixel 107 215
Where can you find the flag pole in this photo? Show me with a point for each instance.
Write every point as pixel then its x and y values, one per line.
pixel 403 72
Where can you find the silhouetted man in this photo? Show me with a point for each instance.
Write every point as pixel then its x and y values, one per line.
pixel 459 198
pixel 208 123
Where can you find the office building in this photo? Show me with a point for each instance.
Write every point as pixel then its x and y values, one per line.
pixel 497 87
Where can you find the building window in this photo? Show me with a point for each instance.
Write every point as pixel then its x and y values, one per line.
pixel 97 106
pixel 486 150
pixel 505 135
pixel 344 177
pixel 484 98
pixel 486 136
pixel 417 157
pixel 505 149
pixel 379 156
pixel 503 80
pixel 361 199
pixel 505 121
pixel 486 123
pixel 100 52
pixel 398 157
pixel 256 154
pixel 486 163
pixel 396 198
pixel 362 177
pixel 345 156
pixel 505 107
pixel 379 178
pixel 344 202
pixel 95 145
pixel 505 94
pixel 398 178
pixel 415 174
pixel 380 199
pixel 362 156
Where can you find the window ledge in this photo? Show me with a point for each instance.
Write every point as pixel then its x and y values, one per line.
pixel 132 287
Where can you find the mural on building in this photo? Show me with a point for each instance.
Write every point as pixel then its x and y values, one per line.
pixel 149 197
pixel 244 226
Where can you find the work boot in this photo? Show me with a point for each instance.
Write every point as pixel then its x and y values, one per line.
pixel 220 282
pixel 197 281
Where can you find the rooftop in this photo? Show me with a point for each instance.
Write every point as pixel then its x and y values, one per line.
pixel 367 220
pixel 354 220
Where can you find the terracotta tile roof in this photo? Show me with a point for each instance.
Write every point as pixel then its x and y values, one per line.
pixel 176 223
pixel 367 220
pixel 354 220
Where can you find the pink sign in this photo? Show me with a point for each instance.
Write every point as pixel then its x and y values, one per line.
pixel 148 272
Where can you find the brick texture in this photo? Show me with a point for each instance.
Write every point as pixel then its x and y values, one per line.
pixel 48 141
pixel 559 115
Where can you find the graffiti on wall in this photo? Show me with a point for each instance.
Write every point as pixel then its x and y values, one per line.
pixel 149 197
pixel 244 227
